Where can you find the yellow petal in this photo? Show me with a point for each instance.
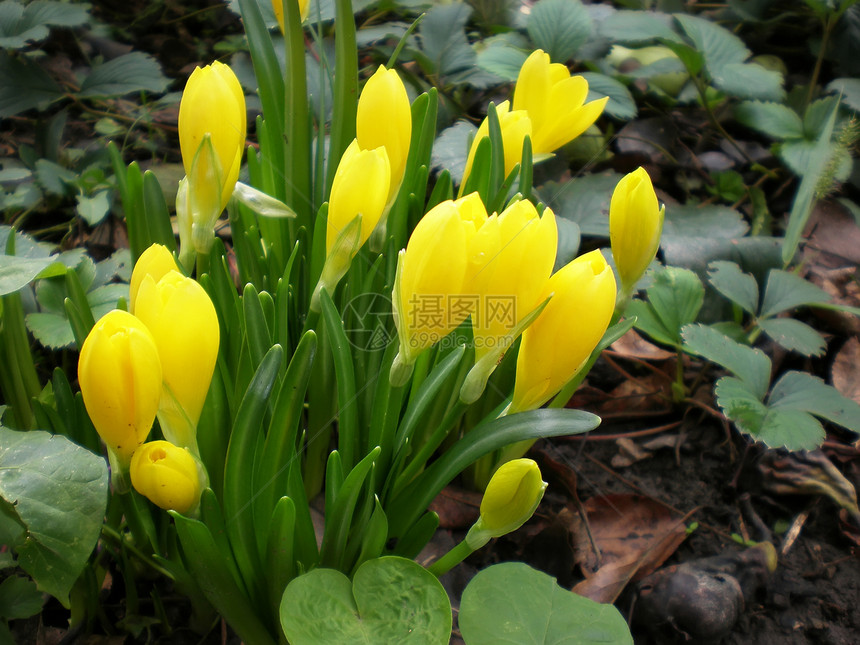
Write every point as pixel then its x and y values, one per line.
pixel 635 225
pixel 155 261
pixel 167 475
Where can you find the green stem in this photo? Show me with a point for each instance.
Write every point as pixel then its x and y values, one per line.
pixel 116 537
pixel 451 559
pixel 297 127
pixel 829 23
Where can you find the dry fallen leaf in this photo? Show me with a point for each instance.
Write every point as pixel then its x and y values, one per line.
pixel 846 370
pixel 457 508
pixel 632 345
pixel 635 535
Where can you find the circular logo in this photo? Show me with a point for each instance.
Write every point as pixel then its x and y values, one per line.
pixel 368 320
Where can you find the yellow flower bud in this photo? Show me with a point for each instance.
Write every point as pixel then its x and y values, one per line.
pixel 184 325
pixel 384 118
pixel 513 255
pixel 555 102
pixel 278 7
pixel 360 187
pixel 167 475
pixel 635 225
pixel 156 261
pixel 514 126
pixel 212 123
pixel 511 497
pixel 428 296
pixel 561 339
pixel 120 377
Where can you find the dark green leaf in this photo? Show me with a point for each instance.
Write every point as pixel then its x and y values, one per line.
pixel 620 105
pixel 734 284
pixel 95 208
pixel 638 27
pixel 703 222
pixel 794 335
pixel 785 291
pixel 59 491
pixel 25 85
pixel 816 116
pixel 513 603
pixel 452 148
pixel 559 27
pixel 750 81
pixel 802 391
pixel 849 88
pixel 568 242
pixel 391 601
pixel 776 120
pixel 134 72
pixel 502 59
pixel 19 598
pixel 443 38
pixel 676 296
pixel 584 201
pixel 718 45
pixel 791 429
pixel 648 322
pixel 740 405
pixel 20 25
pixel 750 365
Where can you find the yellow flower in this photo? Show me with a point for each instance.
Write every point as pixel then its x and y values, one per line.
pixel 120 377
pixel 513 256
pixel 278 7
pixel 561 339
pixel 635 225
pixel 515 125
pixel 555 102
pixel 184 325
pixel 511 498
pixel 156 261
pixel 428 295
pixel 385 119
pixel 212 124
pixel 167 475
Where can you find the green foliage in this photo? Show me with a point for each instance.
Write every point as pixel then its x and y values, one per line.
pixel 513 603
pixel 22 25
pixel 674 300
pixel 559 27
pixel 389 601
pixel 53 496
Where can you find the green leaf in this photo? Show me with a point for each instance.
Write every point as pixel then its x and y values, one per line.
pixel 134 72
pixel 785 291
pixel 776 120
pixel 734 284
pixel 816 116
pixel 703 222
pixel 676 296
pixel 513 603
pixel 25 85
pixel 849 88
pixel 638 27
pixel 452 148
pixel 502 59
pixel 802 391
pixel 559 27
pixel 19 598
pixel 750 365
pixel 750 81
pixel 791 429
pixel 443 38
pixel 648 322
pixel 94 209
pixel 794 335
pixel 20 25
pixel 59 492
pixel 16 273
pixel 718 45
pixel 620 105
pixel 584 201
pixel 391 601
pixel 797 154
pixel 740 405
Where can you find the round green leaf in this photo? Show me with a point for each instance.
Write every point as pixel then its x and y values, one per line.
pixel 391 600
pixel 513 603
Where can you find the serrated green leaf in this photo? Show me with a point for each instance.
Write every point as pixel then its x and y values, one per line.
pixel 849 88
pixel 443 38
pixel 16 273
pixel 803 391
pixel 19 598
pixel 51 330
pixel 776 120
pixel 794 335
pixel 676 296
pixel 750 81
pixel 620 105
pixel 816 116
pixel 718 45
pixel 59 491
pixel 584 201
pixel 54 178
pixel 785 291
pixel 390 601
pixel 637 27
pixel 95 208
pixel 648 322
pixel 750 365
pixel 134 72
pixel 25 85
pixel 514 603
pixel 704 221
pixel 740 405
pixel 503 60
pixel 791 429
pixel 559 27
pixel 734 284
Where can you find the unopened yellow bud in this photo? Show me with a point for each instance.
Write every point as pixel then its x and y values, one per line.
pixel 561 339
pixel 635 226
pixel 515 126
pixel 120 377
pixel 167 475
pixel 156 261
pixel 184 325
pixel 511 497
pixel 384 119
pixel 555 102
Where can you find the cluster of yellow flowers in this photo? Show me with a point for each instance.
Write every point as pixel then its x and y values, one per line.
pixel 156 360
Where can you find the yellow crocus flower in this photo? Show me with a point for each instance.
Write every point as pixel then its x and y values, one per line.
pixel 156 261
pixel 561 339
pixel 184 325
pixel 635 226
pixel 555 102
pixel 384 118
pixel 511 497
pixel 515 126
pixel 120 375
pixel 212 123
pixel 167 475
pixel 278 7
